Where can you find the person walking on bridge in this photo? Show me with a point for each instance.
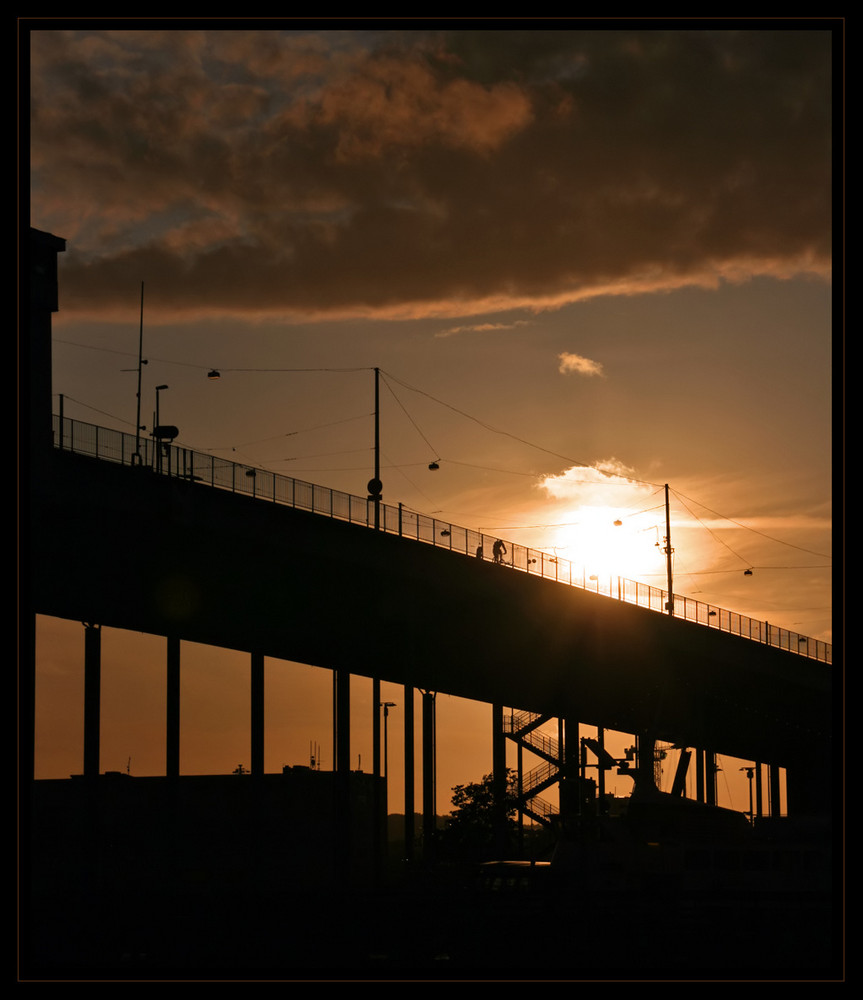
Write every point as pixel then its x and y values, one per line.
pixel 499 551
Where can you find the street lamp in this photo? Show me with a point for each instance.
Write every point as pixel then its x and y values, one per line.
pixel 386 706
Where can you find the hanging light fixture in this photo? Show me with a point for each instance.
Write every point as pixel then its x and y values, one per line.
pixel 213 374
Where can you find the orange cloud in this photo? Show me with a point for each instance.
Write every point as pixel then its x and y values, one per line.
pixel 575 363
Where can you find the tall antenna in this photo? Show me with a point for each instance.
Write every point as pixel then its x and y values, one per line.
pixel 136 458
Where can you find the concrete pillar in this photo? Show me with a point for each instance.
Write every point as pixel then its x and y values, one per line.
pixel 572 771
pixel 562 790
pixel 376 727
pixel 710 768
pixel 429 775
pixel 342 721
pixel 342 775
pixel 379 810
pixel 699 776
pixel 498 767
pixel 92 697
pixel 257 721
pixel 379 832
pixel 775 795
pixel 172 711
pixel 759 791
pixel 410 803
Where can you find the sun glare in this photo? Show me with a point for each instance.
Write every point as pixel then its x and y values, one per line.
pixel 607 542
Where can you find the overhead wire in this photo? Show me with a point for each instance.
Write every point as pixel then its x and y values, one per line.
pixel 712 534
pixel 629 480
pixel 747 527
pixel 87 406
pixel 404 410
pixel 497 430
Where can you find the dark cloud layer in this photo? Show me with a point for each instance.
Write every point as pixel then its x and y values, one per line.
pixel 275 173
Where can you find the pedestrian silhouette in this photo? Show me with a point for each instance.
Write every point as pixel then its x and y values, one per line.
pixel 479 552
pixel 499 551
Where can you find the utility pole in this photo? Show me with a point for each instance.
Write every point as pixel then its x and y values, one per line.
pixel 668 550
pixel 375 485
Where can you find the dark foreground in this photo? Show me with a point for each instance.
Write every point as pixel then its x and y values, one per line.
pixel 444 927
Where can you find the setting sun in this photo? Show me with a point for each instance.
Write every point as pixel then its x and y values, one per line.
pixel 606 542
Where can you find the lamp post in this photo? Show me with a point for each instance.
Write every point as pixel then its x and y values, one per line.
pixel 386 706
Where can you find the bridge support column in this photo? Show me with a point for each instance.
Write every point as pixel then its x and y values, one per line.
pixel 600 772
pixel 520 790
pixel 561 767
pixel 410 803
pixel 710 776
pixel 342 775
pixel 498 769
pixel 774 792
pixel 759 791
pixel 570 742
pixel 379 806
pixel 92 697
pixel 429 776
pixel 705 777
pixel 172 709
pixel 257 721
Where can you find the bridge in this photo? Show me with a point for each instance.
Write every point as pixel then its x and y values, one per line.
pixel 152 537
pixel 215 552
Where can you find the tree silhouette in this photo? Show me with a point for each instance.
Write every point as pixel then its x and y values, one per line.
pixel 476 823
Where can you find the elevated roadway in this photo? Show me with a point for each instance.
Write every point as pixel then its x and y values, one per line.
pixel 127 548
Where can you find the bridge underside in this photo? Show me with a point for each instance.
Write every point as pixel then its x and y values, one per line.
pixel 125 548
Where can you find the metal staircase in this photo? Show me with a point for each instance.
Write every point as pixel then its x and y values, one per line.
pixel 522 728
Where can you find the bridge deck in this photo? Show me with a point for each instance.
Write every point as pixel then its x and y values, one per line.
pixel 167 554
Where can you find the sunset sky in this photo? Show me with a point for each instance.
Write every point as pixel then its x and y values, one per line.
pixel 587 263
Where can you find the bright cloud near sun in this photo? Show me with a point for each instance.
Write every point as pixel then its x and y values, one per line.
pixel 576 364
pixel 605 522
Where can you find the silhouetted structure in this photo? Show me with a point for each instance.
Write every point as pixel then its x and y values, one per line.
pixel 562 653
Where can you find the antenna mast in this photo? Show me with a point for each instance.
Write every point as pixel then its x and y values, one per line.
pixel 136 458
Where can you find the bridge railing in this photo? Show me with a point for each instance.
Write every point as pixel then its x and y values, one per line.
pixel 184 463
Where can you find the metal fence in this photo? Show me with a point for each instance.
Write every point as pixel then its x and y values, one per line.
pixel 183 463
